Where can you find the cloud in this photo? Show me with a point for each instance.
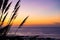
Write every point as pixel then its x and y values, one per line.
pixel 57 23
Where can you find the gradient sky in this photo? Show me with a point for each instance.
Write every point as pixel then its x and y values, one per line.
pixel 41 12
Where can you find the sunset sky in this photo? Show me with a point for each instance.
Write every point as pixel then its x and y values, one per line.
pixel 40 12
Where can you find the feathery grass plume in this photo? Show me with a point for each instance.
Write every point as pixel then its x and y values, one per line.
pixel 4 19
pixel 16 11
pixel 7 7
pixel 4 5
pixel 1 1
pixel 11 22
pixel 12 17
pixel 17 4
pixel 23 22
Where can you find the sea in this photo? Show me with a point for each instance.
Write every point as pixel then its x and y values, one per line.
pixel 51 32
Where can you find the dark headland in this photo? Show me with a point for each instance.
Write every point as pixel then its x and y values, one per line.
pixel 25 38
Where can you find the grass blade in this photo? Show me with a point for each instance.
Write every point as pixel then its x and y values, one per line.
pixel 17 4
pixel 8 7
pixel 16 10
pixel 14 13
pixel 4 19
pixel 4 5
pixel 23 22
pixel 1 1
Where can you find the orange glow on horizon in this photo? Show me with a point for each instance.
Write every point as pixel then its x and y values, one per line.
pixel 35 21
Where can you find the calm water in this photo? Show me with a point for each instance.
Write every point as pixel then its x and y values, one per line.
pixel 41 31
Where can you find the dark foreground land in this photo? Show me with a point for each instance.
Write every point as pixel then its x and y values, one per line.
pixel 24 38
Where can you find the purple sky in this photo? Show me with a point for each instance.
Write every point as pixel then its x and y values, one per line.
pixel 39 10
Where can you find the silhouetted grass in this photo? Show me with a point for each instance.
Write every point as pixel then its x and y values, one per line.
pixel 1 1
pixel 16 4
pixel 23 22
pixel 3 19
pixel 4 4
pixel 7 7
pixel 4 7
